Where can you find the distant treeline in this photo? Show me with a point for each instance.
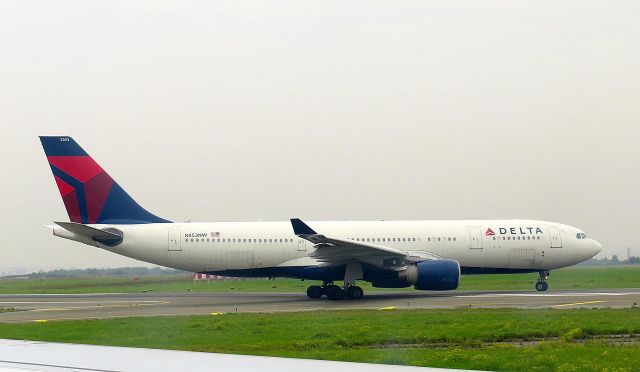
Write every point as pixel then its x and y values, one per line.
pixel 120 271
pixel 614 260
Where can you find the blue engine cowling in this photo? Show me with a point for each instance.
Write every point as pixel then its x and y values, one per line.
pixel 437 275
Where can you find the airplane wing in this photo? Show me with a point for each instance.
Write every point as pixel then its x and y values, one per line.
pixel 21 356
pixel 336 251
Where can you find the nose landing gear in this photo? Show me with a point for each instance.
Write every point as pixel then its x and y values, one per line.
pixel 542 284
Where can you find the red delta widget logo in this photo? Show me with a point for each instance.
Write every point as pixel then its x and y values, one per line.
pixel 514 231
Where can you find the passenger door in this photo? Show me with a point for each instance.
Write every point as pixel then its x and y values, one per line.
pixel 175 240
pixel 475 238
pixel 476 255
pixel 556 240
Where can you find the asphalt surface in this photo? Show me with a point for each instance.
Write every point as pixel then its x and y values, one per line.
pixel 95 306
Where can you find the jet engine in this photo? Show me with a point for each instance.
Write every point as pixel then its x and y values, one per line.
pixel 432 275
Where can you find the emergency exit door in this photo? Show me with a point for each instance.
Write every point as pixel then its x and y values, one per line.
pixel 302 244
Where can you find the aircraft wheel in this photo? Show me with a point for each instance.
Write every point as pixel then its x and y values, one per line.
pixel 314 291
pixel 542 286
pixel 354 292
pixel 334 293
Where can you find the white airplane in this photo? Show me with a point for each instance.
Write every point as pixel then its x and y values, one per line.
pixel 430 255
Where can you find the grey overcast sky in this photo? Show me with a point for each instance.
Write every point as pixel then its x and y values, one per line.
pixel 248 110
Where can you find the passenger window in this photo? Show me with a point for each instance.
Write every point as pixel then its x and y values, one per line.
pixel 454 239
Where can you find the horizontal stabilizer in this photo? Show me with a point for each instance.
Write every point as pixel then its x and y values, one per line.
pixel 92 232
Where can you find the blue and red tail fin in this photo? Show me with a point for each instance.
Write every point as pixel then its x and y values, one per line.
pixel 89 193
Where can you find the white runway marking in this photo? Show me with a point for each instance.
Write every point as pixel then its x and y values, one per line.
pixel 75 302
pixel 574 294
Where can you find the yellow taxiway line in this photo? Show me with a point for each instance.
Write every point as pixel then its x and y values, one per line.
pixel 579 303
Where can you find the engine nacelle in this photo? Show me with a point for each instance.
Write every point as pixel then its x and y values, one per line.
pixel 432 275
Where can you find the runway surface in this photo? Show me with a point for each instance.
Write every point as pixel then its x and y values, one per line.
pixel 96 306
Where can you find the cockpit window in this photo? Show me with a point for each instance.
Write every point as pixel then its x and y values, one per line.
pixel 581 236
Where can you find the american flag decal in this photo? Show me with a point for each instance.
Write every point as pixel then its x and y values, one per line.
pixel 215 234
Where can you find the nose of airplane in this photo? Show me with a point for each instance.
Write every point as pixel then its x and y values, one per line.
pixel 595 247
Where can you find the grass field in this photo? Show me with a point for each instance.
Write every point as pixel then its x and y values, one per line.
pixel 503 339
pixel 571 278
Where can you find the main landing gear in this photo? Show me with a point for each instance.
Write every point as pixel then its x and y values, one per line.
pixel 334 292
pixel 542 284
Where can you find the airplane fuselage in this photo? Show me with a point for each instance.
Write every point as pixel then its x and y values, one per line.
pixel 272 249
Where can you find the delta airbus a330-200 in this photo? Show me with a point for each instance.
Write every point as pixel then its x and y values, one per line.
pixel 430 255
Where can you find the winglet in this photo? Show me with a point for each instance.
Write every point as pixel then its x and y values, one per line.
pixel 301 228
